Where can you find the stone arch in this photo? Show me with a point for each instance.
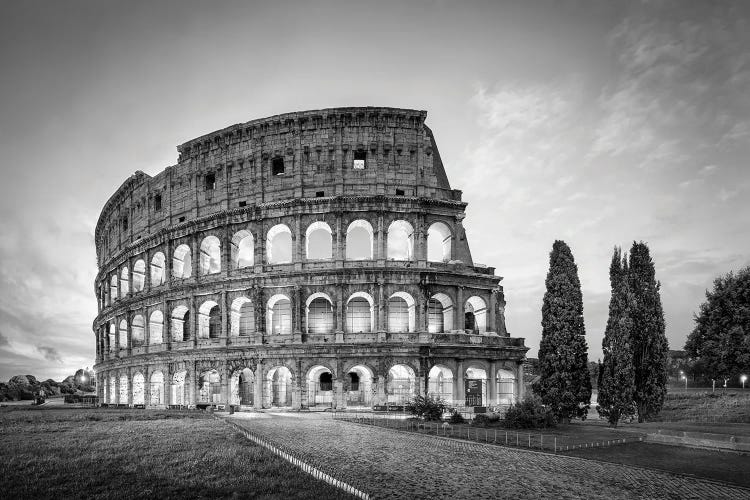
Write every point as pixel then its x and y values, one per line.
pixel 182 266
pixel 139 389
pixel 401 313
pixel 242 387
pixel 243 249
pixel 319 385
pixel 138 331
pixel 139 275
pixel 156 386
pixel 359 382
pixel 242 317
pixel 439 242
pixel 319 241
pixel 279 315
pixel 123 332
pixel 112 337
pixel 401 383
pixel 123 390
pixel 475 312
pixel 277 387
pixel 210 255
pixel 209 387
pixel 156 328
pixel 113 285
pixel 439 313
pixel 400 240
pixel 178 387
pixel 158 269
pixel 124 281
pixel 441 382
pixel 180 321
pixel 279 245
pixel 359 240
pixel 112 394
pixel 209 320
pixel 476 371
pixel 319 313
pixel 360 313
pixel 506 387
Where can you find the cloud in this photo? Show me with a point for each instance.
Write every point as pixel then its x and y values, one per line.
pixel 3 339
pixel 50 354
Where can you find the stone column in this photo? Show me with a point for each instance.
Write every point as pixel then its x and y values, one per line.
pixel 130 334
pixel 459 389
pixel 340 243
pixel 226 250
pixel 224 318
pixel 296 314
pixel 380 396
pixel 491 316
pixel 192 325
pixel 167 262
pixel 166 333
pixel 520 389
pixel 339 401
pixel 146 386
pixel 380 242
pixel 225 386
pixel 459 320
pixel 492 382
pixel 298 246
pixel 339 315
pixel 259 249
pixel 192 386
pixel 381 327
pixel 260 378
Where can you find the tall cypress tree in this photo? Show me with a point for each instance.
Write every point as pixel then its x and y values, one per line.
pixel 650 346
pixel 617 378
pixel 564 384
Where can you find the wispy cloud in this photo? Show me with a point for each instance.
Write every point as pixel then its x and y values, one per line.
pixel 50 353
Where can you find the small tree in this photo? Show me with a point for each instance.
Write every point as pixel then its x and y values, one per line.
pixel 564 384
pixel 426 407
pixel 650 347
pixel 617 376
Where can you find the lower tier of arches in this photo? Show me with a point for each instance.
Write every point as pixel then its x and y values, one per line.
pixel 311 381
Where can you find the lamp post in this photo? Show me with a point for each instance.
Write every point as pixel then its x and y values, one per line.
pixel 743 379
pixel 683 376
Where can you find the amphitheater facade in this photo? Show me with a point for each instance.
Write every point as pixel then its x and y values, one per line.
pixel 310 259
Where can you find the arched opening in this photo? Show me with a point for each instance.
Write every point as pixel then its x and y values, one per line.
pixel 400 240
pixel 112 396
pixel 360 313
pixel 179 389
pixel 242 387
pixel 139 275
pixel 158 269
pixel 441 383
pixel 359 238
pixel 123 333
pixel 475 311
pixel 112 337
pixel 277 390
pixel 319 314
pixel 358 385
pixel 210 255
pixel 139 389
pixel 209 387
pixel 180 324
pixel 279 245
pixel 112 289
pixel 506 387
pixel 318 241
pixel 124 282
pixel 400 384
pixel 476 386
pixel 138 331
pixel 182 266
pixel 319 386
pixel 242 317
pixel 401 311
pixel 279 315
pixel 156 393
pixel 243 249
pixel 439 313
pixel 124 389
pixel 439 239
pixel 209 320
pixel 156 328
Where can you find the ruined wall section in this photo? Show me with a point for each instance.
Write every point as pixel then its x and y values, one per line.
pixel 234 167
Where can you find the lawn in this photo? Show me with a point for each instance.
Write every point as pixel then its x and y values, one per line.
pixel 97 453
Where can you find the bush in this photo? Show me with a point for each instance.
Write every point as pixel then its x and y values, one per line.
pixel 456 418
pixel 529 414
pixel 485 419
pixel 426 407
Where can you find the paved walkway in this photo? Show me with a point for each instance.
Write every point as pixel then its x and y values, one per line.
pixel 392 464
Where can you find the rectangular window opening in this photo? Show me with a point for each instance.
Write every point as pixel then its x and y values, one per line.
pixel 320 194
pixel 277 166
pixel 210 182
pixel 181 219
pixel 360 157
pixel 124 223
pixel 157 202
pixel 399 192
pixel 243 203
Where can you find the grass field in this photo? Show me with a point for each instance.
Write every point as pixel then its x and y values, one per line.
pixel 97 453
pixel 707 406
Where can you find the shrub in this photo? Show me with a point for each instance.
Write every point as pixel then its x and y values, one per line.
pixel 485 419
pixel 426 407
pixel 456 418
pixel 529 414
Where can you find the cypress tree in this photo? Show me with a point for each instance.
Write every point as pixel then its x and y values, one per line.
pixel 565 383
pixel 617 378
pixel 650 348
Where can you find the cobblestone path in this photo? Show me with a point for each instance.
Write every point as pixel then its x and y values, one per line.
pixel 391 464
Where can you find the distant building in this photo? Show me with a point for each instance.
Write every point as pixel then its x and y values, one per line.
pixel 306 259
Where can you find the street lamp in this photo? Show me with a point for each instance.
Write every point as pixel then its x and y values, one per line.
pixel 743 379
pixel 683 376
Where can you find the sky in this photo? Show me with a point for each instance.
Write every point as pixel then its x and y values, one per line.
pixel 596 122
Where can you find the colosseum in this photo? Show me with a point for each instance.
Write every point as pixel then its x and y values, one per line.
pixel 309 259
